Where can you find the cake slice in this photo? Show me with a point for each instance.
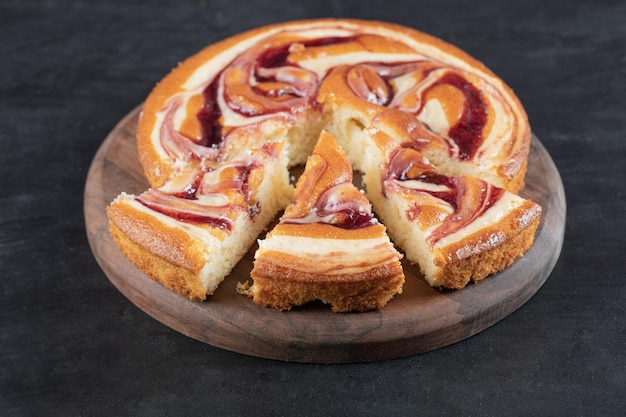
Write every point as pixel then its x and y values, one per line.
pixel 456 228
pixel 328 245
pixel 189 233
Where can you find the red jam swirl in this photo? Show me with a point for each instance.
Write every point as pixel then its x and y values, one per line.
pixel 469 197
pixel 352 219
pixel 473 198
pixel 177 145
pixel 186 206
pixel 467 133
pixel 186 210
pixel 191 190
pixel 209 117
pixel 336 208
pixel 346 213
pixel 408 164
pixel 370 81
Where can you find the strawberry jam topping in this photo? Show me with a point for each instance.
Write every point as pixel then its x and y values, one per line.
pixel 207 202
pixel 209 117
pixel 343 212
pixel 185 210
pixel 469 197
pixel 467 133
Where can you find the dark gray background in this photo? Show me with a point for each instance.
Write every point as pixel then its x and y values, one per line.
pixel 71 344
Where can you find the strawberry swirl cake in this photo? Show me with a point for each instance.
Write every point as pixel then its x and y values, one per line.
pixel 441 141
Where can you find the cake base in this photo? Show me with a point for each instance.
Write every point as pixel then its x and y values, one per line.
pixel 419 320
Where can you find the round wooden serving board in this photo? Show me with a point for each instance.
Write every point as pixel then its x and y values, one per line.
pixel 419 320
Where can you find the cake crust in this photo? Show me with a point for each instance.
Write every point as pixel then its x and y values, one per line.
pixel 457 272
pixel 284 288
pixel 178 278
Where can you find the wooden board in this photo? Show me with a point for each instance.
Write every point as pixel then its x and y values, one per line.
pixel 419 320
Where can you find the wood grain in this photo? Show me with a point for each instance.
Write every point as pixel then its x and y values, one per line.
pixel 421 319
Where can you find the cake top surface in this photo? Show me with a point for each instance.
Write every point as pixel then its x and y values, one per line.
pixel 265 78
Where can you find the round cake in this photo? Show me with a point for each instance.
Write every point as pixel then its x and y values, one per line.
pixel 441 141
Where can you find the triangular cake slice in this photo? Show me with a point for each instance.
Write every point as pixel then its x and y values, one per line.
pixel 456 228
pixel 189 233
pixel 328 245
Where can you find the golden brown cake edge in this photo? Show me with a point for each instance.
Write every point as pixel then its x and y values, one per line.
pixel 364 291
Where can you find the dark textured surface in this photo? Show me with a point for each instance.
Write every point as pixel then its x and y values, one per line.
pixel 71 344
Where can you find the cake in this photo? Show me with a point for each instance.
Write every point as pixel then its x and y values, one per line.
pixel 327 245
pixel 246 109
pixel 456 228
pixel 189 233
